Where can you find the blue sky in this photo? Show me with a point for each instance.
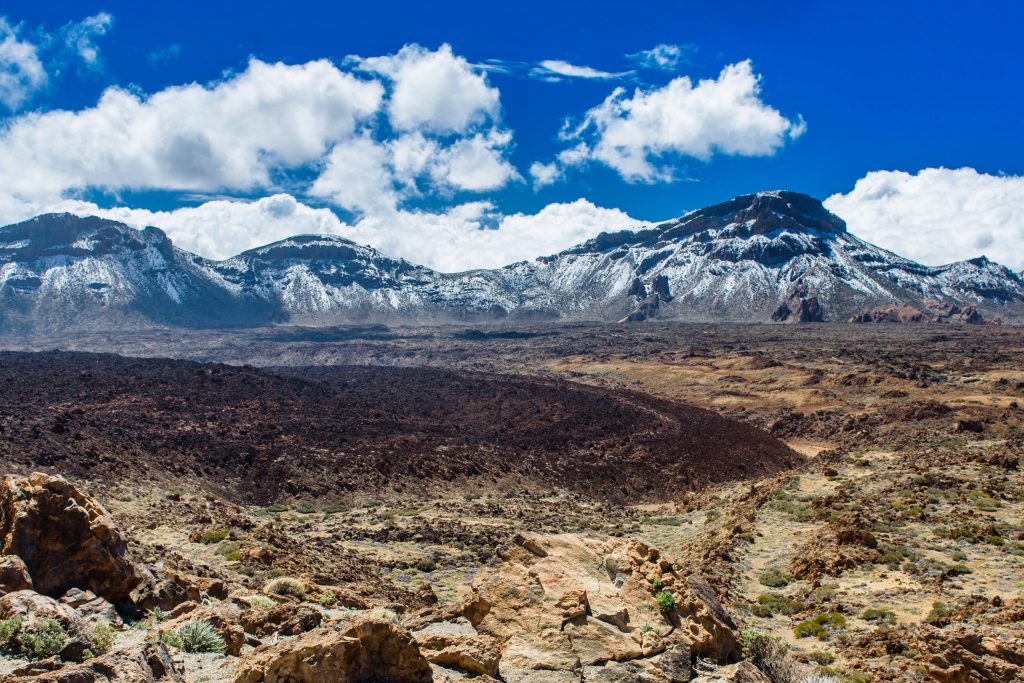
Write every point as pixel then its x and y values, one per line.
pixel 906 115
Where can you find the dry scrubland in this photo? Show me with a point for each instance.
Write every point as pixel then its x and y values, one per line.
pixel 526 506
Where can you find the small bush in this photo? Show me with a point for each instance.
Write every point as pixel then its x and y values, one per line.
pixel 939 614
pixel 666 601
pixel 770 655
pixel 171 638
pixel 200 636
pixel 305 508
pixel 336 506
pixel 286 586
pixel 821 657
pixel 819 678
pixel 102 638
pixel 772 603
pixel 821 626
pixel 426 564
pixel 46 642
pixel 328 599
pixel 9 629
pixel 260 602
pixel 276 508
pixel 211 536
pixel 882 616
pixel 775 578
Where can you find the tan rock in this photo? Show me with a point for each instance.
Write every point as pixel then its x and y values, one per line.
pixel 476 654
pixel 286 619
pixel 150 663
pixel 34 609
pixel 363 650
pixel 65 538
pixel 568 603
pixel 743 672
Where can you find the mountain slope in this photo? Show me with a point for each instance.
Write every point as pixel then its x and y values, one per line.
pixel 768 256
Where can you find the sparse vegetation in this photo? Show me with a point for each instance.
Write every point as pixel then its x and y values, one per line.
pixel 775 578
pixel 285 586
pixel 769 604
pixel 879 616
pixel 42 643
pixel 328 599
pixel 821 626
pixel 666 601
pixel 200 636
pixel 211 536
pixel 102 638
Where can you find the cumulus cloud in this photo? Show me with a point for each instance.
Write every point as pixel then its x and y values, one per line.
pixel 938 215
pixel 230 135
pixel 639 135
pixel 436 90
pixel 666 57
pixel 21 71
pixel 554 69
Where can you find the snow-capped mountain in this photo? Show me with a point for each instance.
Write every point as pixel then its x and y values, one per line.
pixel 769 256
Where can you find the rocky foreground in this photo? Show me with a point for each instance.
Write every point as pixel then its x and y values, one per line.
pixel 77 607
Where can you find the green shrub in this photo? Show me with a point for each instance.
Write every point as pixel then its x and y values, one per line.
pixel 276 508
pixel 775 578
pixel 211 536
pixel 882 616
pixel 426 564
pixel 305 508
pixel 328 599
pixel 46 642
pixel 821 657
pixel 959 556
pixel 769 604
pixel 102 638
pixel 9 629
pixel 171 638
pixel 286 586
pixel 666 601
pixel 939 614
pixel 260 602
pixel 336 506
pixel 821 626
pixel 892 555
pixel 200 636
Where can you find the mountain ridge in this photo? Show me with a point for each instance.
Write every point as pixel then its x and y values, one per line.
pixel 769 256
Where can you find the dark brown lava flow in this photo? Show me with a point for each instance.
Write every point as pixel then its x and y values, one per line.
pixel 259 435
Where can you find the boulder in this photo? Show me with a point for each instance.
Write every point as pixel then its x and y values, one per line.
pixel 475 654
pixel 65 538
pixel 14 574
pixel 92 608
pixel 34 609
pixel 147 663
pixel 286 619
pixel 562 604
pixel 362 650
pixel 169 588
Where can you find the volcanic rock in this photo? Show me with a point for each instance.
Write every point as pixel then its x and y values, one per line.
pixel 65 538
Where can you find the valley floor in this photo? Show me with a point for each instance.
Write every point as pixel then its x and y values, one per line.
pixel 894 551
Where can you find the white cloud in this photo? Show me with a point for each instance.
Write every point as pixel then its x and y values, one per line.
pixel 21 71
pixel 473 235
pixel 79 36
pixel 232 134
pixel 436 91
pixel 476 164
pixel 357 177
pixel 938 215
pixel 638 135
pixel 664 56
pixel 556 67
